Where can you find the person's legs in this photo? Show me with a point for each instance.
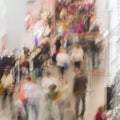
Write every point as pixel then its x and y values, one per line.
pixel 83 106
pixel 62 69
pixel 35 109
pixel 11 98
pixel 77 102
pixel 26 110
pixel 61 109
pixel 93 59
pixel 5 93
pixel 77 65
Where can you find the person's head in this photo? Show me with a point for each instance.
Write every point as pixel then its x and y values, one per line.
pixel 101 109
pixel 52 87
pixel 7 70
pixel 58 38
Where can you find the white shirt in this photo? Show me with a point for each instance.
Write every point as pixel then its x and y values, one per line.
pixel 32 92
pixel 47 82
pixel 77 54
pixel 62 58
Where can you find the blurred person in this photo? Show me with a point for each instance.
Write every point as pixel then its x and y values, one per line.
pixel 63 92
pixel 69 43
pixel 30 96
pixel 50 101
pixel 47 81
pixel 26 52
pixel 24 67
pixel 18 112
pixel 8 86
pixel 46 51
pixel 105 117
pixel 100 114
pixel 77 56
pixel 57 45
pixel 63 61
pixel 79 91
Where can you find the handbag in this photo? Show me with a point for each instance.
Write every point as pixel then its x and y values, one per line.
pixel 22 95
pixel 1 88
pixel 65 65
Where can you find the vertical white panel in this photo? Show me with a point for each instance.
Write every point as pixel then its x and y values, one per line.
pixel 15 22
pixel 102 13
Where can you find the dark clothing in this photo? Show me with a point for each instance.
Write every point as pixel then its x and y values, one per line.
pixel 58 44
pixel 87 24
pixel 4 62
pixel 93 52
pixel 38 60
pixel 77 64
pixel 79 90
pixel 77 102
pixel 93 56
pixel 80 85
pixel 62 71
pixel 46 48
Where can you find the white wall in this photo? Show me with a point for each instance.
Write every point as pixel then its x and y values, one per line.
pixel 15 22
pixel 102 13
pixel 2 18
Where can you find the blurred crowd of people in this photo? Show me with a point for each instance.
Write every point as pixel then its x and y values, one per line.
pixel 75 39
pixel 49 100
pixel 27 96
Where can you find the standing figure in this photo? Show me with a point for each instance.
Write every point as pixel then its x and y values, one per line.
pixel 47 81
pixel 63 61
pixel 77 56
pixel 79 91
pixel 100 114
pixel 7 83
pixel 30 94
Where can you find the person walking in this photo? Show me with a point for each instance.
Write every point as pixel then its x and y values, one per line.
pixel 30 96
pixel 47 81
pixel 63 61
pixel 77 56
pixel 79 91
pixel 7 83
